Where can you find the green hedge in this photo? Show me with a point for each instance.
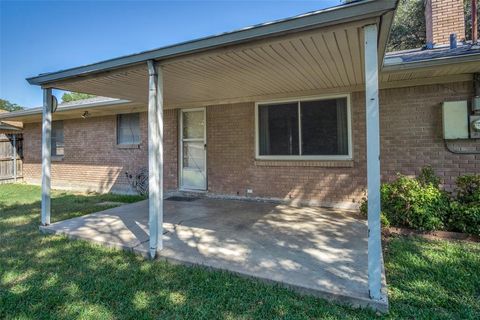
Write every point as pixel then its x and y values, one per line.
pixel 465 206
pixel 419 203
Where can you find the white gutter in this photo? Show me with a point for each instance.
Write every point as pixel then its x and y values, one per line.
pixel 397 65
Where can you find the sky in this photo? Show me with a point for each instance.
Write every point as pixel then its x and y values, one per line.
pixel 46 36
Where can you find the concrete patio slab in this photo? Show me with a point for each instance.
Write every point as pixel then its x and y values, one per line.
pixel 312 250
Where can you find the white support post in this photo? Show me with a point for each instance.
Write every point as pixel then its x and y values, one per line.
pixel 155 157
pixel 373 162
pixel 14 157
pixel 46 154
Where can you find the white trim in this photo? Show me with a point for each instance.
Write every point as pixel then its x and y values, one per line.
pixel 180 144
pixel 299 110
pixel 306 157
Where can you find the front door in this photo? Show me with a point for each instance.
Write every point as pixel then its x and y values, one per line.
pixel 193 150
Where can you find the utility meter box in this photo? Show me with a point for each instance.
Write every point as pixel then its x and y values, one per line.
pixel 455 120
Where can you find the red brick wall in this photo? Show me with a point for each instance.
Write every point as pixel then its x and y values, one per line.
pixel 411 137
pixel 443 18
pixel 232 168
pixel 93 161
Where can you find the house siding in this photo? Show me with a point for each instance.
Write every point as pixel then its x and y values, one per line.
pixel 411 137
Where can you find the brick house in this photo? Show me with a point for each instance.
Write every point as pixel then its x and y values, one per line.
pixel 277 111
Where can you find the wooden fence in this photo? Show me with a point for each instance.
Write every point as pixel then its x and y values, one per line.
pixel 11 155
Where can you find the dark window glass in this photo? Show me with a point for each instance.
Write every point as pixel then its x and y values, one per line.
pixel 324 127
pixel 58 146
pixel 128 128
pixel 278 126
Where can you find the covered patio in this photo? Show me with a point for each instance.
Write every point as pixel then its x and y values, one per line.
pixel 335 50
pixel 309 249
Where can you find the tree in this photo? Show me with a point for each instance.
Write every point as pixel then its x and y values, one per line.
pixel 408 28
pixel 74 96
pixel 9 106
pixel 467 4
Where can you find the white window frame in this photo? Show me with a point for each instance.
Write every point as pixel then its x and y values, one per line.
pixel 304 157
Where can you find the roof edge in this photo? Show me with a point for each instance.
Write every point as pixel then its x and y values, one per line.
pixel 8 127
pixel 329 16
pixel 430 62
pixel 38 110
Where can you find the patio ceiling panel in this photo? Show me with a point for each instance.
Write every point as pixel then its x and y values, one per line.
pixel 311 62
pixel 129 83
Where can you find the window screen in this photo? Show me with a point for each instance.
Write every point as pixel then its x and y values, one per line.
pixel 128 128
pixel 58 146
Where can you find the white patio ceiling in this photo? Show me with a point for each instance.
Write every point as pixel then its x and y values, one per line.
pixel 310 62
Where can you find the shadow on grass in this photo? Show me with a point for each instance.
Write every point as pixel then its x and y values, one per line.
pixel 433 279
pixel 52 277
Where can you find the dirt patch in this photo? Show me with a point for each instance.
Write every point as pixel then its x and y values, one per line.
pixel 432 235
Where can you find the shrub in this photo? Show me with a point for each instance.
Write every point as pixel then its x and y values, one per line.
pixel 465 209
pixel 468 189
pixel 416 203
pixel 427 176
pixel 407 202
pixel 465 218
pixel 419 203
pixel 364 211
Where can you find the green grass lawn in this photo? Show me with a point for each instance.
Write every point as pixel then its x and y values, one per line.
pixel 51 277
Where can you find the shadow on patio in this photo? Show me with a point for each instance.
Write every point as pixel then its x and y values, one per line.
pixel 313 250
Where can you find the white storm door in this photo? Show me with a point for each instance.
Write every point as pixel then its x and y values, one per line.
pixel 193 150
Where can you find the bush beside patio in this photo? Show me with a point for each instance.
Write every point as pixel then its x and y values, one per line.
pixel 419 203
